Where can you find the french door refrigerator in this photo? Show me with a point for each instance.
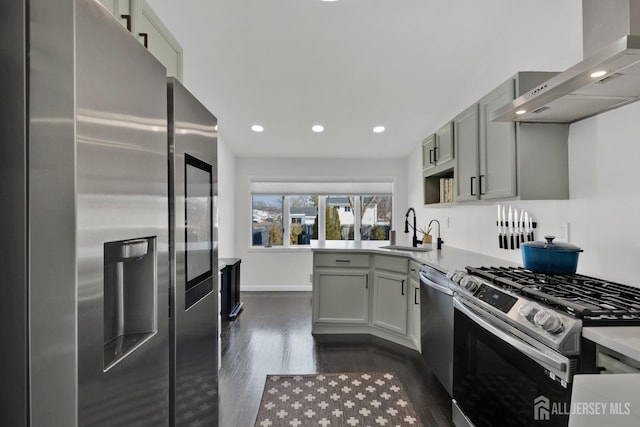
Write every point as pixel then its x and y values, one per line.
pixel 85 273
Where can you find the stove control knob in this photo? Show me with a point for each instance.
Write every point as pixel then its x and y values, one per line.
pixel 456 275
pixel 528 311
pixel 469 283
pixel 549 321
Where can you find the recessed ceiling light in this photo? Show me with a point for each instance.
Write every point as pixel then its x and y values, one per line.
pixel 598 73
pixel 257 128
pixel 329 0
pixel 379 129
pixel 215 128
pixel 521 112
pixel 317 128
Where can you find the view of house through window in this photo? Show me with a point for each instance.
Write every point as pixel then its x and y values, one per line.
pixel 303 212
pixel 292 220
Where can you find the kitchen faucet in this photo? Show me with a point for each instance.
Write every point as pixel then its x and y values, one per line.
pixel 415 240
pixel 439 241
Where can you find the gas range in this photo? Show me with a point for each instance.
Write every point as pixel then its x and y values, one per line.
pixel 552 309
pixel 595 301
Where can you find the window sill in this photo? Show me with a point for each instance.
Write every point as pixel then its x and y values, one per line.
pixel 264 249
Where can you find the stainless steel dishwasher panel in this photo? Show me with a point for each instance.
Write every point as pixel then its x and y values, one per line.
pixel 436 324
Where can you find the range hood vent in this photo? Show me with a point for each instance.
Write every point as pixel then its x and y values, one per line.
pixel 607 78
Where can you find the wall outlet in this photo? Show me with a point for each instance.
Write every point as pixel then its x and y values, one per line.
pixel 311 278
pixel 447 222
pixel 564 232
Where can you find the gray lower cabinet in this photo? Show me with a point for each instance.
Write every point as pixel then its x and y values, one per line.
pixel 390 301
pixel 359 293
pixel 341 295
pixel 413 317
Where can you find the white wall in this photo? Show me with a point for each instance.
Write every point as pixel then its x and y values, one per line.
pixel 603 210
pixel 226 201
pixel 290 268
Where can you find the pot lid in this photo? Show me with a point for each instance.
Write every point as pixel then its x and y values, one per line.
pixel 554 246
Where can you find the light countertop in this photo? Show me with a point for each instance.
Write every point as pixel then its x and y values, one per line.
pixel 446 259
pixel 622 339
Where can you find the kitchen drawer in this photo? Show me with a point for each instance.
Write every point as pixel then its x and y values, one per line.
pixel 391 263
pixel 414 270
pixel 341 260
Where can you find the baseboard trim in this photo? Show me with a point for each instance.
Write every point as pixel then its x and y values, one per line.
pixel 274 288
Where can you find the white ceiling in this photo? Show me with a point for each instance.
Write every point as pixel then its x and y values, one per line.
pixel 409 65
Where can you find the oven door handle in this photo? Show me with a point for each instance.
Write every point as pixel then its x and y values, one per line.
pixel 530 351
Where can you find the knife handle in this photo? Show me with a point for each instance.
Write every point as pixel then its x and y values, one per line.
pixel 500 240
pixel 512 245
pixel 517 241
pixel 506 241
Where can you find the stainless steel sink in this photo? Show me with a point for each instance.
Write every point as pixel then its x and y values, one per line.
pixel 406 248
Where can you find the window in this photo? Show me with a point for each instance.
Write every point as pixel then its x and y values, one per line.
pixel 303 211
pixel 376 217
pixel 283 217
pixel 340 221
pixel 267 220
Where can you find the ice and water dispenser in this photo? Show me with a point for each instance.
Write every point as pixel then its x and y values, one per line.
pixel 130 303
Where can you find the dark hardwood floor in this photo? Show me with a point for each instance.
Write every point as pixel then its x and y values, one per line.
pixel 272 335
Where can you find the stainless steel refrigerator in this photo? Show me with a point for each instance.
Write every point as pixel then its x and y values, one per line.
pixel 193 191
pixel 85 265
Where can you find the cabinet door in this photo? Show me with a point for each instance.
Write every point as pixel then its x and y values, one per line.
pixel 466 146
pixel 414 312
pixel 152 33
pixel 428 150
pixel 390 298
pixel 341 296
pixel 497 146
pixel 444 144
pixel 121 9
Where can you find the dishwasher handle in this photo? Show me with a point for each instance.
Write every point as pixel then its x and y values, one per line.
pixel 430 283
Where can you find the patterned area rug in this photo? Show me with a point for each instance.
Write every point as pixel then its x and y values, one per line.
pixel 350 400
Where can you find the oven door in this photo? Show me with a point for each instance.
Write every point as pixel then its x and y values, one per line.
pixel 501 380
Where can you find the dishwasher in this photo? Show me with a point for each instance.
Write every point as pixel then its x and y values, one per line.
pixel 436 324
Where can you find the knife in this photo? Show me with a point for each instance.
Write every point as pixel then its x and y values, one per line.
pixel 499 228
pixel 504 228
pixel 521 235
pixel 531 237
pixel 510 219
pixel 516 228
pixel 526 227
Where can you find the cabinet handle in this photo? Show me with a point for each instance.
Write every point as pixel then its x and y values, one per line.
pixel 480 182
pixel 127 19
pixel 343 260
pixel 412 269
pixel 145 39
pixel 431 156
pixel 435 154
pixel 415 296
pixel 366 281
pixel 402 288
pixel 471 182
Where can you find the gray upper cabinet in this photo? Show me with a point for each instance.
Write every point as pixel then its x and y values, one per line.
pixel 437 149
pixel 466 136
pixel 121 9
pixel 152 33
pixel 428 147
pixel 142 22
pixel 497 178
pixel 504 160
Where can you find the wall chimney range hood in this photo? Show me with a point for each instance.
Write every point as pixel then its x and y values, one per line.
pixel 607 78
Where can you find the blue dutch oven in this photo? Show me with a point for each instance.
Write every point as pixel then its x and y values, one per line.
pixel 550 258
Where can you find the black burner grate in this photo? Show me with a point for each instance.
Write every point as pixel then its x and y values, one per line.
pixel 582 296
